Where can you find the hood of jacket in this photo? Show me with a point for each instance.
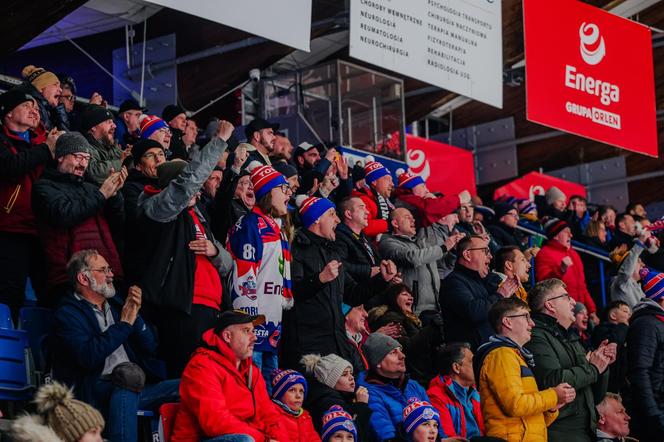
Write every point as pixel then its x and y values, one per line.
pixel 31 428
pixel 215 348
pixel 647 307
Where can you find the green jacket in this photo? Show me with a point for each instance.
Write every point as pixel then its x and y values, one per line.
pixel 560 357
pixel 102 160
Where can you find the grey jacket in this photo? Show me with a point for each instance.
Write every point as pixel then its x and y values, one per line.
pixel 623 287
pixel 102 160
pixel 437 234
pixel 417 263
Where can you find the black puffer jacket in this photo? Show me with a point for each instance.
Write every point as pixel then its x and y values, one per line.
pixel 355 255
pixel 315 325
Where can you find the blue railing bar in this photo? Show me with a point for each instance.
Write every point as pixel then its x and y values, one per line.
pixel 602 283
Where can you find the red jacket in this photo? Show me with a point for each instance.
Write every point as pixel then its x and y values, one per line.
pixel 299 428
pixel 377 221
pixel 217 398
pixel 429 210
pixel 452 414
pixel 21 164
pixel 547 265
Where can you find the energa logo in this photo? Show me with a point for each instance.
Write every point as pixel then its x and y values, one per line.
pixel 591 43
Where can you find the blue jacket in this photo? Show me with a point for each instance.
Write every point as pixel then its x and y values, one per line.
pixel 79 348
pixel 387 403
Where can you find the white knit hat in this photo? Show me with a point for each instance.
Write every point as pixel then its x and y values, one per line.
pixel 327 369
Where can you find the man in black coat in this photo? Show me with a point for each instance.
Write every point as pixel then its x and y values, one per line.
pixel 176 118
pixel 503 229
pixel 465 297
pixel 320 285
pixel 645 356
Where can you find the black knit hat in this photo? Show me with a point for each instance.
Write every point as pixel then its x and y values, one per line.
pixel 12 98
pixel 502 209
pixel 142 146
pixel 171 111
pixel 284 168
pixel 130 104
pixel 93 115
pixel 554 227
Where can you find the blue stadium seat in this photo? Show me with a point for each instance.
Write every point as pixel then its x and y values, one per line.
pixel 6 317
pixel 14 370
pixel 37 322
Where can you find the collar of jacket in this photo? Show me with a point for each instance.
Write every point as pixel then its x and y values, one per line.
pixel 345 230
pixel 37 135
pixel 98 143
pixel 223 355
pixel 55 175
pixel 474 274
pixel 306 236
pixel 287 409
pixel 138 176
pixel 454 388
pixel 556 245
pixel 551 324
pixel 374 378
pixel 177 133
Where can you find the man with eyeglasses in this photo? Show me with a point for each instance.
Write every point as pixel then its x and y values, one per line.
pixel 127 130
pixel 513 406
pixel 560 357
pixel 466 295
pixel 100 345
pixel 70 211
pixel 503 228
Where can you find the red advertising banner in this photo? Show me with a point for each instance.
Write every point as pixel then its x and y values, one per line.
pixel 445 168
pixel 535 183
pixel 590 73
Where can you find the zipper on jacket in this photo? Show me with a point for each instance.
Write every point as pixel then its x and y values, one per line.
pixel 12 199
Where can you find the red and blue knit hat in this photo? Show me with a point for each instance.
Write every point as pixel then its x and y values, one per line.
pixel 408 180
pixel 554 226
pixel 150 124
pixel 312 208
pixel 336 419
pixel 282 380
pixel 653 283
pixel 264 179
pixel 373 170
pixel 416 413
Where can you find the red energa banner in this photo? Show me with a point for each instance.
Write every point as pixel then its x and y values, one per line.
pixel 590 73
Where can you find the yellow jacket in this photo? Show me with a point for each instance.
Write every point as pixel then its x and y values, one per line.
pixel 512 406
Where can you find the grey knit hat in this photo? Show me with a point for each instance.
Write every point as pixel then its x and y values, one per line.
pixel 377 346
pixel 554 194
pixel 328 369
pixel 71 142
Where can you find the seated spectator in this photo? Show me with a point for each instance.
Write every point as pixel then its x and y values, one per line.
pixel 412 193
pixel 559 356
pixel 59 418
pixel 338 426
pixel 645 355
pixel 626 285
pixel 415 260
pixel 580 325
pixel 613 423
pixel 100 347
pixel 289 389
pixel 503 229
pixel 558 259
pixel 614 329
pixel 465 296
pixel 44 87
pixel 513 406
pixel 333 384
pixel 636 209
pixel 178 261
pixel 357 253
pixel 454 395
pixel 176 118
pixel 154 128
pixel 421 421
pixel 105 156
pixel 376 196
pixel 222 398
pixel 25 149
pixel 578 215
pixel 418 342
pixel 127 129
pixel 321 284
pixel 511 263
pixel 625 231
pixel 389 386
pixel 70 213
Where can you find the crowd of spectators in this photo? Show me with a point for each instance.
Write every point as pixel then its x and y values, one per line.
pixel 279 293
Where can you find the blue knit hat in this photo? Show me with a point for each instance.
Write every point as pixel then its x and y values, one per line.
pixel 408 180
pixel 282 380
pixel 374 171
pixel 313 208
pixel 150 124
pixel 336 419
pixel 653 284
pixel 416 413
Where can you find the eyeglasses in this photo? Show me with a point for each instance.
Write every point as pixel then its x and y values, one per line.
pixel 81 156
pixel 105 270
pixel 564 295
pixel 523 315
pixel 154 156
pixel 165 131
pixel 68 97
pixel 487 251
pixel 286 189
pixel 467 208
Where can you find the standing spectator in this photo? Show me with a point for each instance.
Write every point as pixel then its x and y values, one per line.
pixel 308 160
pixel 289 389
pixel 105 156
pixel 101 347
pixel 69 211
pixel 454 395
pixel 320 285
pixel 66 115
pixel 645 355
pixel 465 297
pixel 389 386
pixel 376 197
pixel 555 203
pixel 511 263
pixel 503 229
pixel 176 118
pixel 338 426
pixel 209 191
pixel 178 260
pixel 235 196
pixel 189 138
pixel 636 209
pixel 221 397
pixel 127 129
pixel 356 252
pixel 261 279
pixel 580 325
pixel 440 232
pixel 613 423
pixel 614 328
pixel 596 235
pixel 25 149
pixel 333 383
pixel 607 215
pixel 154 128
pixel 283 149
pixel 625 231
pixel 260 137
pixel 513 405
pixel 558 259
pixel 559 357
pixel 44 87
pixel 625 286
pixel 578 215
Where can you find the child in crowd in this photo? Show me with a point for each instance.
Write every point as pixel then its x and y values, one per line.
pixel 289 389
pixel 420 421
pixel 338 426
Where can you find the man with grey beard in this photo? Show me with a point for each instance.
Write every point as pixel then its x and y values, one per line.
pixel 100 344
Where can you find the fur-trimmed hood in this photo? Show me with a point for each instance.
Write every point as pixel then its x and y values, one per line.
pixel 31 428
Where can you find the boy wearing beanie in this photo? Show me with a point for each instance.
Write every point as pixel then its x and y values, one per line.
pixel 421 421
pixel 338 426
pixel 289 388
